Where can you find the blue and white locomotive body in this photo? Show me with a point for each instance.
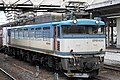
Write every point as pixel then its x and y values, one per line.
pixel 74 46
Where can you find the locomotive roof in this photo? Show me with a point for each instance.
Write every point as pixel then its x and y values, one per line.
pixel 82 22
pixel 67 22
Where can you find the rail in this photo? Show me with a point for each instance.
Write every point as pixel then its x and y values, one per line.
pixel 101 78
pixel 11 77
pixel 112 67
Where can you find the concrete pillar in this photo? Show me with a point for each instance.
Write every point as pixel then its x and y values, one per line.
pixel 118 33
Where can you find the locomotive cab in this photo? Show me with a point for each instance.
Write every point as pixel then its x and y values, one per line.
pixel 78 38
pixel 84 44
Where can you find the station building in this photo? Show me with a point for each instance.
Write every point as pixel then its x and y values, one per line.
pixel 109 11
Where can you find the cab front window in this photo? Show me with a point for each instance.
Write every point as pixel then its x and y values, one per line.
pixel 78 29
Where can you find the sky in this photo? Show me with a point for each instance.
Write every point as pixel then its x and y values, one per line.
pixel 3 19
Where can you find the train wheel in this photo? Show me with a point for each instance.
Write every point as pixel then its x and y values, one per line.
pixel 24 58
pixel 31 59
pixel 56 63
pixel 9 51
pixel 14 53
pixel 20 55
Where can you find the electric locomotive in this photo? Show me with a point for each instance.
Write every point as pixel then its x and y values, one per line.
pixel 74 46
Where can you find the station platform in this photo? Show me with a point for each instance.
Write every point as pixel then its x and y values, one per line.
pixel 114 50
pixel 112 56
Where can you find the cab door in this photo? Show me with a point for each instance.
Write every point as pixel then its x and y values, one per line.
pixel 56 37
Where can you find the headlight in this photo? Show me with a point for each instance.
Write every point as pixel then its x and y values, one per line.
pixel 97 22
pixel 74 21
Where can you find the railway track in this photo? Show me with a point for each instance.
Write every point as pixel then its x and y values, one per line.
pixel 5 76
pixel 101 78
pixel 112 67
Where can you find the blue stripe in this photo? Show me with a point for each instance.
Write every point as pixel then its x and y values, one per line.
pixel 80 53
pixel 60 53
pixel 84 36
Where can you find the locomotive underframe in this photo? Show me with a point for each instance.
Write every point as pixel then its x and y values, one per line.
pixel 77 66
